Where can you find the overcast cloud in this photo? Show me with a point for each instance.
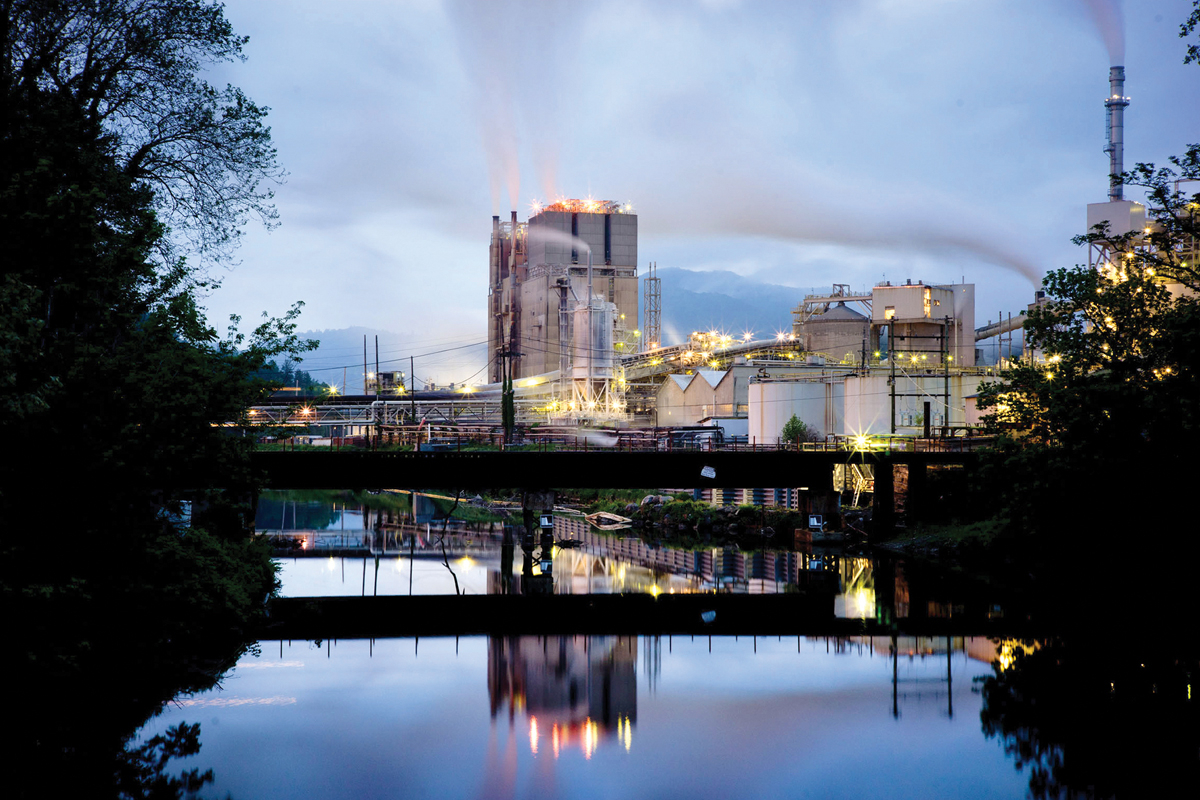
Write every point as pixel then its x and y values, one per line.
pixel 802 143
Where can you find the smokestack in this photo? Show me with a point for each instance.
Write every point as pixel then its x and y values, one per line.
pixel 512 245
pixel 1115 106
pixel 495 253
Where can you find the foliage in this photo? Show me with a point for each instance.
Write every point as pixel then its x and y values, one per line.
pixel 1168 247
pixel 114 387
pixel 141 772
pixel 275 376
pixel 1121 366
pixel 132 69
pixel 1080 717
pixel 796 431
pixel 1116 399
pixel 1188 27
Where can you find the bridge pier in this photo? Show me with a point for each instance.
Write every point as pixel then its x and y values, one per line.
pixel 916 499
pixel 883 512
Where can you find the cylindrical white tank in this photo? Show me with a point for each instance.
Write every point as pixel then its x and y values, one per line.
pixel 603 314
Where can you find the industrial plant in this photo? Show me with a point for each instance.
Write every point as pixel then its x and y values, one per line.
pixel 575 348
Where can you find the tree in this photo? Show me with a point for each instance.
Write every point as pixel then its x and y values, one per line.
pixel 796 431
pixel 1188 27
pixel 131 69
pixel 1117 397
pixel 121 404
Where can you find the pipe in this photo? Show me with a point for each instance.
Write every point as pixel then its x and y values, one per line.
pixel 1115 107
pixel 1003 326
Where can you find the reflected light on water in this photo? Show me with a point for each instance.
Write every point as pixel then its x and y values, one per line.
pixel 589 738
pixel 533 735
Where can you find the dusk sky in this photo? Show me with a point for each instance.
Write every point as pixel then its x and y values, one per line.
pixel 796 143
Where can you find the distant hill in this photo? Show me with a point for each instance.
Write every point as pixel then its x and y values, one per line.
pixel 341 353
pixel 693 301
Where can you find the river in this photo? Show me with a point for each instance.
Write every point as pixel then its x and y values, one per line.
pixel 563 716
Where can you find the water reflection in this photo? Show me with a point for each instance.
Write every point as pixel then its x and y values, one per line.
pixel 575 691
pixel 573 558
pixel 1090 717
pixel 579 716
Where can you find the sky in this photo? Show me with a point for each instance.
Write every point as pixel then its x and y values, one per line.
pixel 794 143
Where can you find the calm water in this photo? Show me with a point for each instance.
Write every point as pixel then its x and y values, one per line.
pixel 596 717
pixel 676 717
pixel 386 554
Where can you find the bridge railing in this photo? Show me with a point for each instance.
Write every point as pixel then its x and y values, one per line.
pixel 460 438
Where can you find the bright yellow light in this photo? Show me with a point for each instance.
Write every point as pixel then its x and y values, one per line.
pixel 861 441
pixel 533 735
pixel 253 412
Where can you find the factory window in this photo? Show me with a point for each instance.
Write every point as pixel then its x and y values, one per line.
pixel 889 312
pixel 927 303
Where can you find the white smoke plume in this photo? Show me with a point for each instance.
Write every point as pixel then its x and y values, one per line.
pixel 516 56
pixel 758 187
pixel 544 233
pixel 1109 19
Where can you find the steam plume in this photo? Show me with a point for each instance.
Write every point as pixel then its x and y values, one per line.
pixel 544 233
pixel 1110 22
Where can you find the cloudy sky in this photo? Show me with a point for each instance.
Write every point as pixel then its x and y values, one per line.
pixel 797 143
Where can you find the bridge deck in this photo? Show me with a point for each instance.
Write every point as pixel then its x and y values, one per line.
pixel 600 470
pixel 807 614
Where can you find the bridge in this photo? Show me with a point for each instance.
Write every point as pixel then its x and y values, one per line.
pixel 599 469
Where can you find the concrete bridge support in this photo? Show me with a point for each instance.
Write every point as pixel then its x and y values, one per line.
pixel 883 512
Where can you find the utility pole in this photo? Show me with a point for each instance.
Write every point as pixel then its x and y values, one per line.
pixel 892 378
pixel 412 382
pixel 364 363
pixel 946 370
pixel 377 366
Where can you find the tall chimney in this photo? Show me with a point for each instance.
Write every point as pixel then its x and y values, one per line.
pixel 1115 106
pixel 512 246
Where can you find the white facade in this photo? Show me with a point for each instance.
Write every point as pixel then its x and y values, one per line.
pixel 915 316
pixel 818 403
pixel 857 404
pixel 1122 216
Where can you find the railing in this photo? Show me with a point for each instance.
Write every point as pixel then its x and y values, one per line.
pixel 459 438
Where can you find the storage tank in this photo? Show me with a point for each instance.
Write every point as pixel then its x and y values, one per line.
pixel 603 314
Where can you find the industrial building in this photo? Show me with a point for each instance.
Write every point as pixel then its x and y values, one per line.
pixel 930 321
pixel 538 287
